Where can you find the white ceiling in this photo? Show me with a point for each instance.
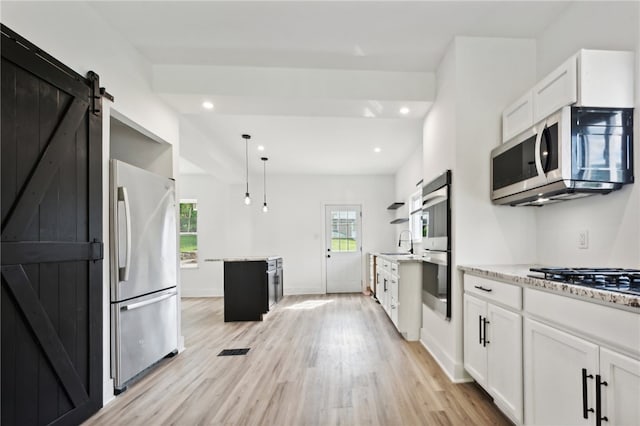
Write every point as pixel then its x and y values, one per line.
pixel 316 145
pixel 382 35
pixel 312 133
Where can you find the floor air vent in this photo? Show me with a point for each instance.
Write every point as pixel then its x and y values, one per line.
pixel 231 352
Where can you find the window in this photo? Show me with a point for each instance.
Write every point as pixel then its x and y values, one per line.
pixel 415 218
pixel 188 233
pixel 344 231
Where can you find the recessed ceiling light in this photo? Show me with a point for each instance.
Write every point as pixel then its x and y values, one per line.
pixel 376 149
pixel 260 148
pixel 404 110
pixel 207 105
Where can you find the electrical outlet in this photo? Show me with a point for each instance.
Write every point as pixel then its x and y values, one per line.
pixel 583 239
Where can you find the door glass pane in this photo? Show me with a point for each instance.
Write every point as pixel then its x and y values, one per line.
pixel 335 231
pixel 344 233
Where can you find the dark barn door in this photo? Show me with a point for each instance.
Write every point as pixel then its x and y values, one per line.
pixel 51 255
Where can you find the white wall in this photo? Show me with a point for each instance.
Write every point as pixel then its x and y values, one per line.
pixel 213 218
pixel 131 146
pixel 613 221
pixel 293 227
pixel 406 178
pixel 491 73
pixel 477 78
pixel 75 35
pixel 608 25
pixel 210 156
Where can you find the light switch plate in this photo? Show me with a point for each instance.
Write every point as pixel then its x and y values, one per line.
pixel 583 239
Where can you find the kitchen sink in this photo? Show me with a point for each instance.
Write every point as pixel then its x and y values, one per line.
pixel 396 254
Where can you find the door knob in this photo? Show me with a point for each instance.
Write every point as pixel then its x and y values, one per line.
pixel 328 255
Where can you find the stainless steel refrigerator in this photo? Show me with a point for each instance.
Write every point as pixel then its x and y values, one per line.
pixel 143 271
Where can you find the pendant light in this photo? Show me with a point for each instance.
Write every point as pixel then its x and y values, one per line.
pixel 247 198
pixel 264 179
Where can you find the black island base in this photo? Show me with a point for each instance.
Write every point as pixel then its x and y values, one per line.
pixel 251 287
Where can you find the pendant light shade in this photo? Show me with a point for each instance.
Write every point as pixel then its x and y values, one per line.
pixel 247 198
pixel 264 176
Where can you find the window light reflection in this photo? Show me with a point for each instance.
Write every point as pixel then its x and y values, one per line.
pixel 309 304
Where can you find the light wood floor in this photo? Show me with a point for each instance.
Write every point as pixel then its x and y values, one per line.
pixel 314 360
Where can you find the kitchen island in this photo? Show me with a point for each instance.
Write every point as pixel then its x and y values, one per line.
pixel 252 285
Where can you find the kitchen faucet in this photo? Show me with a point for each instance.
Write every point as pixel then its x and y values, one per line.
pixel 410 240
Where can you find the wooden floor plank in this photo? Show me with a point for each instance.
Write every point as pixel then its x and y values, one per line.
pixel 314 360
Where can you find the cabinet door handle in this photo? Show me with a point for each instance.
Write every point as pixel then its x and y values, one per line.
pixel 479 329
pixel 585 404
pixel 599 417
pixel 479 287
pixel 485 341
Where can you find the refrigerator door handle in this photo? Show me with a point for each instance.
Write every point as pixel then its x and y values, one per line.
pixel 147 302
pixel 123 272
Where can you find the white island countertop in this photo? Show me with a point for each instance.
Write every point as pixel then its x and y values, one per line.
pixel 251 258
pixel 399 257
pixel 520 275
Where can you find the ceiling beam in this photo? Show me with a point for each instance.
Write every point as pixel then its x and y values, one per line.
pixel 294 83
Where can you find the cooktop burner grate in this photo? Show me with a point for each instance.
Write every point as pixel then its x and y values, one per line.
pixel 613 279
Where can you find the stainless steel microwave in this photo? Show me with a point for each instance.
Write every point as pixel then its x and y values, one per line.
pixel 575 152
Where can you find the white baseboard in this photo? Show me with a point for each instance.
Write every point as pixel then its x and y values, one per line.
pixel 454 370
pixel 107 392
pixel 302 291
pixel 199 292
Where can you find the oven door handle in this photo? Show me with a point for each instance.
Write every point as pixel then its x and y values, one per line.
pixel 434 197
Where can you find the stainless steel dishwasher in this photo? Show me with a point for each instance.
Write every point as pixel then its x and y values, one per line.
pixel 272 268
pixel 279 289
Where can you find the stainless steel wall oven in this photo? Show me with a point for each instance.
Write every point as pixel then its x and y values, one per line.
pixel 436 255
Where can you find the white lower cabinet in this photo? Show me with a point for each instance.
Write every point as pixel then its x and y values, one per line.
pixel 475 354
pixel 571 381
pixel 547 359
pixel 493 351
pixel 399 292
pixel 620 400
pixel 553 376
pixel 394 305
pixel 504 359
pixel 381 281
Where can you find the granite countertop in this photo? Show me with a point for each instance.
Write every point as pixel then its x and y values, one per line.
pixel 519 274
pixel 251 258
pixel 400 257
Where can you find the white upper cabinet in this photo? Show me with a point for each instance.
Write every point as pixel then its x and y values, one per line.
pixel 558 89
pixel 592 78
pixel 605 78
pixel 518 116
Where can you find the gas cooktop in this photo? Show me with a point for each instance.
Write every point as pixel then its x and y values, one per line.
pixel 612 279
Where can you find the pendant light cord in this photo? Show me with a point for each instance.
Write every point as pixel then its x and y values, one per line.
pixel 246 158
pixel 264 179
